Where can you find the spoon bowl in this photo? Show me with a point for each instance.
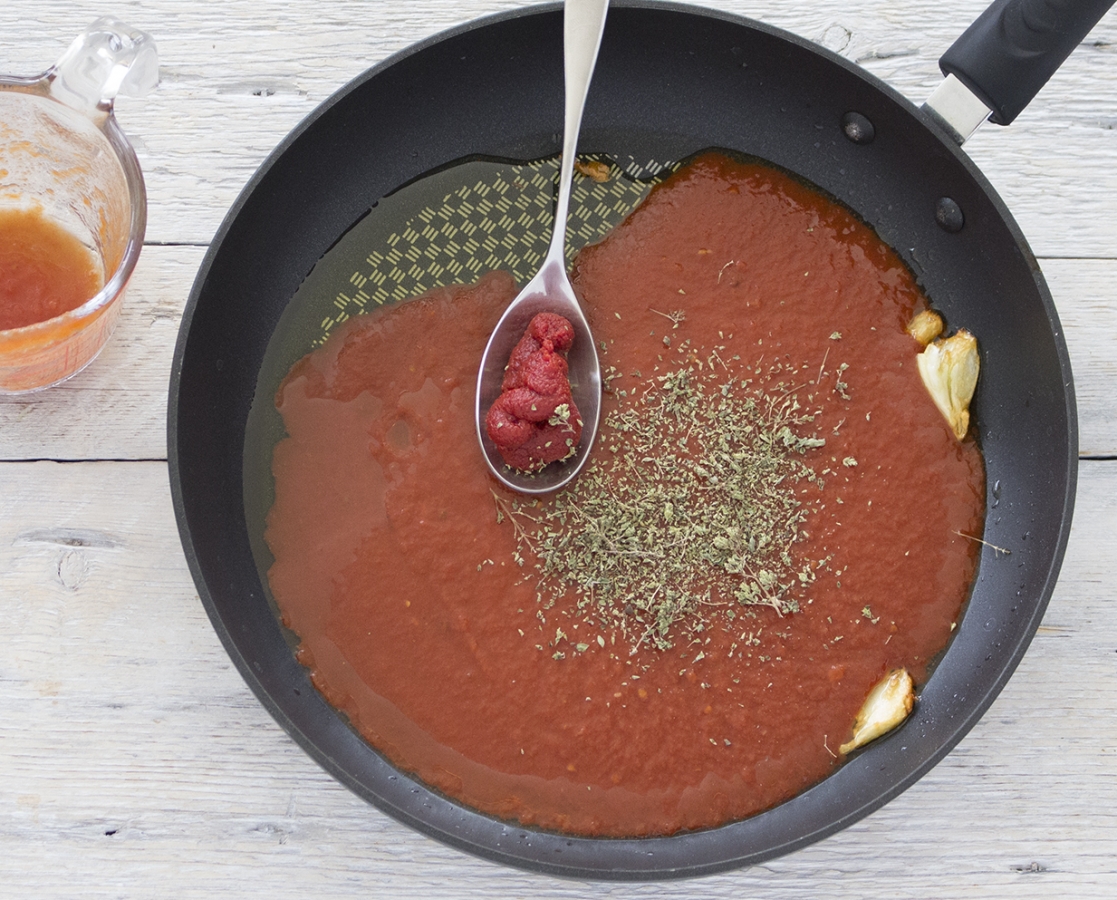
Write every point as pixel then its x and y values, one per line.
pixel 550 290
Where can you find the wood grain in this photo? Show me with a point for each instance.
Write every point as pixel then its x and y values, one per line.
pixel 138 763
pixel 116 408
pixel 135 762
pixel 239 75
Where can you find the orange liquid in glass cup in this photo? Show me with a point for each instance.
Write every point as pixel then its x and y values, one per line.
pixel 44 270
pixel 73 207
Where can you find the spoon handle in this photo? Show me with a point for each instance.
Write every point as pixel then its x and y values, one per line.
pixel 583 23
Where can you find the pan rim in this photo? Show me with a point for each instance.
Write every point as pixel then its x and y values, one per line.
pixel 640 848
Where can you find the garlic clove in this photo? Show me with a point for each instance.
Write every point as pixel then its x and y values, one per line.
pixel 949 369
pixel 888 704
pixel 594 169
pixel 926 326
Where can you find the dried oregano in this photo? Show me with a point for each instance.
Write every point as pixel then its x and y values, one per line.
pixel 690 508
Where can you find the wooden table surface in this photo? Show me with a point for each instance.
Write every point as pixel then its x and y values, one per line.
pixel 134 761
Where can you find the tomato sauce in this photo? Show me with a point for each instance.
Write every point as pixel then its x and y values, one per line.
pixel 400 576
pixel 44 270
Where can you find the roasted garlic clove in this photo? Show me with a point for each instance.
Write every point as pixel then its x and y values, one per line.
pixel 949 370
pixel 593 168
pixel 888 704
pixel 926 326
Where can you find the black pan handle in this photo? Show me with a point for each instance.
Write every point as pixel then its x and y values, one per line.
pixel 1008 54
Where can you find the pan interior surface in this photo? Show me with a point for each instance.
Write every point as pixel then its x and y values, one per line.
pixel 670 81
pixel 447 227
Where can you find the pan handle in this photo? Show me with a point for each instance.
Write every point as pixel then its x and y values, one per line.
pixel 1015 46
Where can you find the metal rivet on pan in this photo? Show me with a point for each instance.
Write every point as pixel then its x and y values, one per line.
pixel 949 215
pixel 857 128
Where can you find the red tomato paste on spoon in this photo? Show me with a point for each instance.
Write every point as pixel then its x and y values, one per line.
pixel 534 421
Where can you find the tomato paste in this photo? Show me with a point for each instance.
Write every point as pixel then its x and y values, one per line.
pixel 534 420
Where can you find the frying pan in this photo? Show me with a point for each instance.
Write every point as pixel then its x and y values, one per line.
pixel 671 80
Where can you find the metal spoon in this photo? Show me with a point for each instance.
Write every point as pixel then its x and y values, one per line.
pixel 550 290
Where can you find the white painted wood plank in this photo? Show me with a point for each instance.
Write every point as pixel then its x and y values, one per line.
pixel 239 75
pixel 136 763
pixel 117 407
pixel 1085 294
pixel 121 713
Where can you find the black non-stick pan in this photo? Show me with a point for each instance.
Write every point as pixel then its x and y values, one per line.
pixel 671 80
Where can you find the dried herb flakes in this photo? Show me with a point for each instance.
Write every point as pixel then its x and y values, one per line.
pixel 693 513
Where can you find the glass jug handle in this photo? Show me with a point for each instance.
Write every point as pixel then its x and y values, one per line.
pixel 107 59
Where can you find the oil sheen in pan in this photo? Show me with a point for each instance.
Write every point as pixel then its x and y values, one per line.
pixel 447 227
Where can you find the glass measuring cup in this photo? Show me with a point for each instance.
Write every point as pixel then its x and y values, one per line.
pixel 62 154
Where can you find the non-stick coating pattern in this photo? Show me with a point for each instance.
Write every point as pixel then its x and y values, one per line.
pixel 670 80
